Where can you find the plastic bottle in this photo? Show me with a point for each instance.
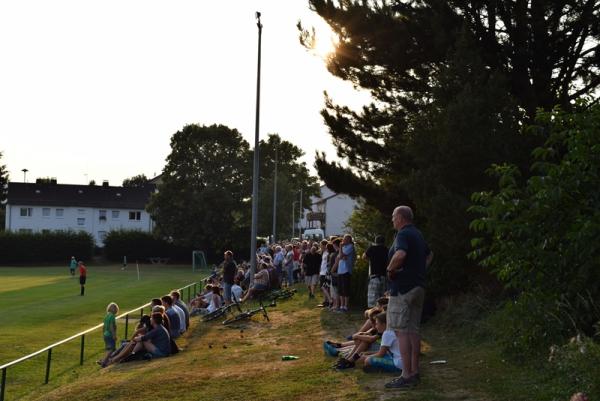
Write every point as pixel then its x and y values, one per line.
pixel 289 357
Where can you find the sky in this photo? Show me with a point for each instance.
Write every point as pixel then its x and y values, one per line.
pixel 94 90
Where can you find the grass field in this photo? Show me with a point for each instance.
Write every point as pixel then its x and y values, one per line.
pixel 42 305
pixel 241 362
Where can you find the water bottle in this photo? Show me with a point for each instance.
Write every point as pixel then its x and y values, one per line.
pixel 289 357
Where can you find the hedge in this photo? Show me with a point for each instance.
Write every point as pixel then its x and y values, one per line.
pixel 52 247
pixel 139 245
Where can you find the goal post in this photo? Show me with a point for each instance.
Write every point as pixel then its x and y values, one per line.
pixel 198 260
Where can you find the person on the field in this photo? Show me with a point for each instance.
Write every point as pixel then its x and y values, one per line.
pixel 82 276
pixel 72 265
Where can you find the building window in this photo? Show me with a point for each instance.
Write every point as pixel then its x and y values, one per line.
pixel 60 212
pixel 102 235
pixel 25 230
pixel 81 221
pixel 81 211
pixel 135 215
pixel 26 211
pixel 46 211
pixel 102 215
pixel 115 214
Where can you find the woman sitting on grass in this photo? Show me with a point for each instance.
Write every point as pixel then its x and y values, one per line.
pixel 214 302
pixel 157 341
pixel 143 327
pixel 363 341
pixel 261 282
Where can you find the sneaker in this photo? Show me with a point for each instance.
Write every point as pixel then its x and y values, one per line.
pixel 401 383
pixel 330 349
pixel 345 364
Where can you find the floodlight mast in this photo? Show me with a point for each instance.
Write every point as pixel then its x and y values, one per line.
pixel 255 175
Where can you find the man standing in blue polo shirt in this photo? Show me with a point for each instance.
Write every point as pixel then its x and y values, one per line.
pixel 409 258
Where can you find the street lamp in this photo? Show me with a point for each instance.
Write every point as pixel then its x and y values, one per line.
pixel 24 174
pixel 255 176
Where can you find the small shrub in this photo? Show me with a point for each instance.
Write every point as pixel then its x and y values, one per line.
pixel 527 326
pixel 577 364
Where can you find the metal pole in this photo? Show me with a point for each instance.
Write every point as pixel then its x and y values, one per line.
pixel 255 175
pixel 83 347
pixel 48 365
pixel 274 231
pixel 3 384
pixel 126 324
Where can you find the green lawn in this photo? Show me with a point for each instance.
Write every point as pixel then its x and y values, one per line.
pixel 43 305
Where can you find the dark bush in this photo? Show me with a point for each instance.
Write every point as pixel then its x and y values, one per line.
pixel 138 245
pixel 58 246
pixel 359 284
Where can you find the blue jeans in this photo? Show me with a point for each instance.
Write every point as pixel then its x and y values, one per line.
pixel 227 292
pixel 290 274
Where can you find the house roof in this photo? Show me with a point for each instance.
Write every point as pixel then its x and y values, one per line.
pixel 78 195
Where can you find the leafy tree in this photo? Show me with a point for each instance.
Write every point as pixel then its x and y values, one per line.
pixel 292 175
pixel 539 235
pixel 452 82
pixel 366 222
pixel 203 199
pixel 3 189
pixel 136 181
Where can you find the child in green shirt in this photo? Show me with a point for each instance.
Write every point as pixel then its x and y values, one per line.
pixel 109 331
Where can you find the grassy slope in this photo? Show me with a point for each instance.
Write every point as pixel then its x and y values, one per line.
pixel 250 366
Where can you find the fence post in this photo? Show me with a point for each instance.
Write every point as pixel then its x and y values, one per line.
pixel 188 294
pixel 48 365
pixel 195 291
pixel 126 324
pixel 141 312
pixel 82 348
pixel 3 384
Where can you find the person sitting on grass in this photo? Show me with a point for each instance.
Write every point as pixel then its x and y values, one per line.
pixel 109 331
pixel 202 299
pixel 380 306
pixel 388 358
pixel 156 341
pixel 143 327
pixel 176 295
pixel 236 291
pixel 363 341
pixel 214 302
pixel 261 282
pixel 174 321
pixel 161 309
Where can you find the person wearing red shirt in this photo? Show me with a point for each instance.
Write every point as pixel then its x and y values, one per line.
pixel 82 276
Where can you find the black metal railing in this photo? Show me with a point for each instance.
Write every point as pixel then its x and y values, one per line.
pixel 49 348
